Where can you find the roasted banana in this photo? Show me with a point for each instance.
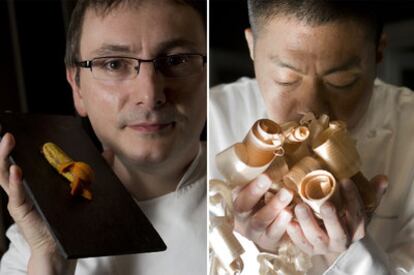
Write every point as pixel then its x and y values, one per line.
pixel 79 174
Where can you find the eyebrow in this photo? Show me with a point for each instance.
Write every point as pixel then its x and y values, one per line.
pixel 112 48
pixel 168 45
pixel 162 48
pixel 283 64
pixel 353 62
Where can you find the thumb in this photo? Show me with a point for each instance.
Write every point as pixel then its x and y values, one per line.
pixel 18 205
pixel 380 184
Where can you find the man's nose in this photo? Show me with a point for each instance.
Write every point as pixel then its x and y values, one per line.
pixel 149 90
pixel 312 98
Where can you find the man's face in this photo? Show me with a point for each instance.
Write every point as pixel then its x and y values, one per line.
pixel 151 118
pixel 300 68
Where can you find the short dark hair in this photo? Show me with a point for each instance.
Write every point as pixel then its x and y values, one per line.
pixel 104 7
pixel 317 12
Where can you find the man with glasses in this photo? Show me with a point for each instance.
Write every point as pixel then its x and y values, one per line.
pixel 124 68
pixel 137 71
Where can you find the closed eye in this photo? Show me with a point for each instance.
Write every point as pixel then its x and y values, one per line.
pixel 286 84
pixel 343 86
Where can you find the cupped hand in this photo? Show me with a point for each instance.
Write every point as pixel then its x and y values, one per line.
pixel 263 223
pixel 331 235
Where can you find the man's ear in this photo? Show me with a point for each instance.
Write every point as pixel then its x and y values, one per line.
pixel 76 91
pixel 382 43
pixel 250 41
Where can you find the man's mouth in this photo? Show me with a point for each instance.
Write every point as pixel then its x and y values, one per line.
pixel 151 127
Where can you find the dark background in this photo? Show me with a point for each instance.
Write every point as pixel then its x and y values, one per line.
pixel 230 60
pixel 32 71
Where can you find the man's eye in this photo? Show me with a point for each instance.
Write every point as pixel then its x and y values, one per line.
pixel 286 83
pixel 114 65
pixel 175 60
pixel 343 86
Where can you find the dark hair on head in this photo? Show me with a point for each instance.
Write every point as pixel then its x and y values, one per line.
pixel 104 7
pixel 317 12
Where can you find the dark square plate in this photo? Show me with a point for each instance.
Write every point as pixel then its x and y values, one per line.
pixel 110 224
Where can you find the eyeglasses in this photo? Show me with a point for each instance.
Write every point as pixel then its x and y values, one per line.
pixel 123 68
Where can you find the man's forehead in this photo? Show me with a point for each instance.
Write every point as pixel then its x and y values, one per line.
pixel 339 27
pixel 123 30
pixel 298 34
pixel 162 47
pixel 106 8
pixel 142 8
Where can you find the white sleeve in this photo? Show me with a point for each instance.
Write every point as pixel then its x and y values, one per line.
pixel 14 261
pixel 367 257
pixel 362 257
pixel 216 139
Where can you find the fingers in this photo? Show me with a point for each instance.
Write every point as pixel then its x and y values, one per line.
pixel 298 238
pixel 250 195
pixel 308 235
pixel 380 183
pixel 355 214
pixel 270 214
pixel 267 225
pixel 338 239
pixel 6 146
pixel 275 231
pixel 18 205
pixel 311 229
pixel 16 191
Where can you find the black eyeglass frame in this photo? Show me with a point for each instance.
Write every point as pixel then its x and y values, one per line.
pixel 89 63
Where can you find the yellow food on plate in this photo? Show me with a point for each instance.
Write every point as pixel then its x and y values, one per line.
pixel 79 174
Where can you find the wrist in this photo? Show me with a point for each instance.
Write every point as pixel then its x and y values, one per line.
pixel 50 262
pixel 330 258
pixel 47 249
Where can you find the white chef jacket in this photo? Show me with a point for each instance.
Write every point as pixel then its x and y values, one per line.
pixel 385 140
pixel 180 219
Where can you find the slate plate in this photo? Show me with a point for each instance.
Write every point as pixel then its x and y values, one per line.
pixel 110 224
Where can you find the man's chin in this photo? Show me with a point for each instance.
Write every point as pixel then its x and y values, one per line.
pixel 147 153
pixel 147 149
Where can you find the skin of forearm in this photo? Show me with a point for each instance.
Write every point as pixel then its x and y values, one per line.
pixel 50 264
